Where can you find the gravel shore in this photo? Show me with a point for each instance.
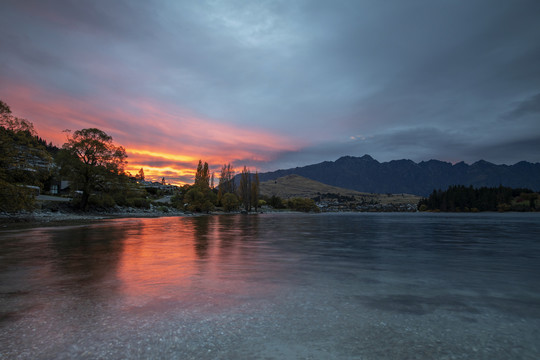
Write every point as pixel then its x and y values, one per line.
pixel 49 217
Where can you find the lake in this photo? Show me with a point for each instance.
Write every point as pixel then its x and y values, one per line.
pixel 274 286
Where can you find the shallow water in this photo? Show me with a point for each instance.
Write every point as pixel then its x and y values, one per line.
pixel 275 286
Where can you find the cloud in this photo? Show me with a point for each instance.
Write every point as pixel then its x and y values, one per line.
pixel 530 106
pixel 510 151
pixel 273 82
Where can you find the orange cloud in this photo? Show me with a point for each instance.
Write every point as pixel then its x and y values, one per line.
pixel 174 157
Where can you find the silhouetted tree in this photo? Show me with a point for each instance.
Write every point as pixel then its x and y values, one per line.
pixel 202 176
pixel 226 181
pixel 92 161
pixel 230 202
pixel 462 198
pixel 23 161
pixel 276 202
pixel 140 175
pixel 255 191
pixel 200 197
pixel 244 190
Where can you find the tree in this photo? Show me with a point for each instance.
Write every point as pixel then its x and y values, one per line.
pixel 4 108
pixel 226 179
pixel 255 191
pixel 202 176
pixel 226 182
pixel 140 175
pixel 19 147
pixel 531 198
pixel 194 199
pixel 461 198
pixel 244 190
pixel 92 161
pixel 13 123
pixel 276 202
pixel 230 202
pixel 199 196
pixel 24 161
pixel 303 204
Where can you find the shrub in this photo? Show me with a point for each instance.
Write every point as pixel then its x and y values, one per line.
pixel 276 202
pixel 177 201
pixel 303 204
pixel 230 202
pixel 120 199
pixel 102 200
pixel 15 198
pixel 140 203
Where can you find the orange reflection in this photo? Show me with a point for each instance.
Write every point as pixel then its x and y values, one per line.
pixel 202 261
pixel 158 260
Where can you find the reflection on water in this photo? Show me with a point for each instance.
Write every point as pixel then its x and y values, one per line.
pixel 274 286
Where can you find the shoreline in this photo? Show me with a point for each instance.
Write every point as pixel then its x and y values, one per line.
pixel 39 218
pixel 48 218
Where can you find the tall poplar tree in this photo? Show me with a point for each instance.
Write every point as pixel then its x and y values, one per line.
pixel 226 181
pixel 202 176
pixel 255 191
pixel 245 189
pixel 200 196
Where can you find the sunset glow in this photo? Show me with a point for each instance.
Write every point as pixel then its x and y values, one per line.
pixel 162 139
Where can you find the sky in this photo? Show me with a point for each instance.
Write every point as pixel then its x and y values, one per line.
pixel 278 84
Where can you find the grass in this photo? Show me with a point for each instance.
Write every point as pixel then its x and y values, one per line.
pixel 292 186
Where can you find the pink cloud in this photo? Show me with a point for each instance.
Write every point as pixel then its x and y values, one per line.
pixel 152 132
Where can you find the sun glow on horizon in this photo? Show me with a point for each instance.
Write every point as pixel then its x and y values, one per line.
pixel 156 154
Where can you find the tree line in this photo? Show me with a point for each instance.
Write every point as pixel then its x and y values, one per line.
pixel 467 198
pixel 202 196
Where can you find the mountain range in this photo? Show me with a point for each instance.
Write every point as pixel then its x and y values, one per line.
pixel 366 174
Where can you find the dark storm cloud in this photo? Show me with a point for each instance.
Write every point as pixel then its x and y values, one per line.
pixel 415 144
pixel 411 79
pixel 530 106
pixel 505 150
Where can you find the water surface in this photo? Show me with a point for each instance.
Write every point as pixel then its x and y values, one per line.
pixel 274 286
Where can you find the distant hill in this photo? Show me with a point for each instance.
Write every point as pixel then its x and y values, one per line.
pixel 366 174
pixel 293 185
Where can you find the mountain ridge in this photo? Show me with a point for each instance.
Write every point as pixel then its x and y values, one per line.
pixel 365 174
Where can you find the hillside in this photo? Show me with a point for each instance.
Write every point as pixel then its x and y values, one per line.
pixel 366 174
pixel 298 186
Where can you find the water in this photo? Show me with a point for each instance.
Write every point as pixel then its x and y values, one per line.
pixel 274 286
